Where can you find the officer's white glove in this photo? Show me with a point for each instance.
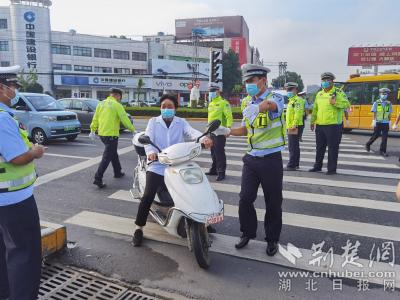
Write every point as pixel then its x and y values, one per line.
pixel 222 131
pixel 373 123
pixel 92 136
pixel 395 126
pixel 347 123
pixel 251 112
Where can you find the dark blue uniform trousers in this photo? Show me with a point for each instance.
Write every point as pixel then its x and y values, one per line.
pixel 267 171
pixel 20 251
pixel 327 135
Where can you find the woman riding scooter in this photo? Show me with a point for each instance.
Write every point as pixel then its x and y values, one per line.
pixel 164 130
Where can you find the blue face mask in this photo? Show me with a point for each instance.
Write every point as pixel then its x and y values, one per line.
pixel 167 113
pixel 290 94
pixel 384 96
pixel 325 84
pixel 15 100
pixel 212 95
pixel 252 89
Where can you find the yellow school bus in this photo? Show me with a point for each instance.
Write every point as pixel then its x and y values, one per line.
pixel 362 91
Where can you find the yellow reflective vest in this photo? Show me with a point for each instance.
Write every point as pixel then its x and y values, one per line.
pixel 220 109
pixel 108 117
pixel 12 177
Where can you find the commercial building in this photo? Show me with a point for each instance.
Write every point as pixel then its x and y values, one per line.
pixel 228 32
pixel 70 64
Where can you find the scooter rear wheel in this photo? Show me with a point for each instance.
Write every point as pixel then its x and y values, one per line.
pixel 200 244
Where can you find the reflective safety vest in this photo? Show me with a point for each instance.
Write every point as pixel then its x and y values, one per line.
pixel 295 112
pixel 264 133
pixel 220 109
pixel 14 178
pixel 382 111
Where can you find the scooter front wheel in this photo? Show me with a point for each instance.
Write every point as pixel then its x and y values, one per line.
pixel 200 244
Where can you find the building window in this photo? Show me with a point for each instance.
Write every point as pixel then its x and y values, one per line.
pixel 121 54
pixel 82 68
pixel 121 71
pixel 60 49
pixel 4 46
pixel 103 53
pixel 139 71
pixel 82 51
pixel 62 67
pixel 158 40
pixel 5 63
pixel 3 24
pixel 103 70
pixel 139 56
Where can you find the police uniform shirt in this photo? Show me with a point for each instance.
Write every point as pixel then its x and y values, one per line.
pixel 384 103
pixel 11 146
pixel 279 101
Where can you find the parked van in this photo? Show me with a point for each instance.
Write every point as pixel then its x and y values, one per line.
pixel 44 118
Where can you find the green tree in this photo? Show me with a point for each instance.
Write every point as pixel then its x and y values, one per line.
pixel 237 89
pixel 279 82
pixel 140 85
pixel 29 83
pixel 231 75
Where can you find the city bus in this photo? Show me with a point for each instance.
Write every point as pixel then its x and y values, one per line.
pixel 362 91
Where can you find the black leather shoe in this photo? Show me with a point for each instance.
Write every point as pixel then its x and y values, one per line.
pixel 272 248
pixel 122 174
pixel 314 170
pixel 289 169
pixel 384 154
pixel 211 172
pixel 368 148
pixel 99 183
pixel 211 229
pixel 221 176
pixel 137 238
pixel 244 240
pixel 331 173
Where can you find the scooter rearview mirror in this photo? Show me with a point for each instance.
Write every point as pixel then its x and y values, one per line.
pixel 212 126
pixel 144 139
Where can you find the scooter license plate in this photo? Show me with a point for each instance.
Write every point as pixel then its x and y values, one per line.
pixel 215 219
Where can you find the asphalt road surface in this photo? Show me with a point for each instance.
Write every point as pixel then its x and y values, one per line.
pixel 349 221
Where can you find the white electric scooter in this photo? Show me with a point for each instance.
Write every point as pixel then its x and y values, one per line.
pixel 190 204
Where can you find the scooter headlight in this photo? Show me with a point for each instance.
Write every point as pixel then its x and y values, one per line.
pixel 192 175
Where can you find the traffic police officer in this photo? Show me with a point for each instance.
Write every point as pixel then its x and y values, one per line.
pixel 303 96
pixel 395 127
pixel 218 109
pixel 20 238
pixel 382 109
pixel 264 125
pixel 327 115
pixel 294 119
pixel 106 120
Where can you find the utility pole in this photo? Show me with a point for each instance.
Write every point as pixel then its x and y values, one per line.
pixel 282 70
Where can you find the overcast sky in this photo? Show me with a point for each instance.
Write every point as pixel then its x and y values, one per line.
pixel 311 35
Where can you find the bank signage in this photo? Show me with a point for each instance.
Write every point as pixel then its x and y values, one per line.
pixel 126 82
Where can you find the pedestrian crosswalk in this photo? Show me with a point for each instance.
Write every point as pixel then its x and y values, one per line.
pixel 357 205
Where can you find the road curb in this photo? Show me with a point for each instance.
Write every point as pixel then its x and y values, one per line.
pixel 54 238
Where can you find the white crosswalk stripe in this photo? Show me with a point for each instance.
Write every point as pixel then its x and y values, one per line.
pixel 357 156
pixel 311 189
